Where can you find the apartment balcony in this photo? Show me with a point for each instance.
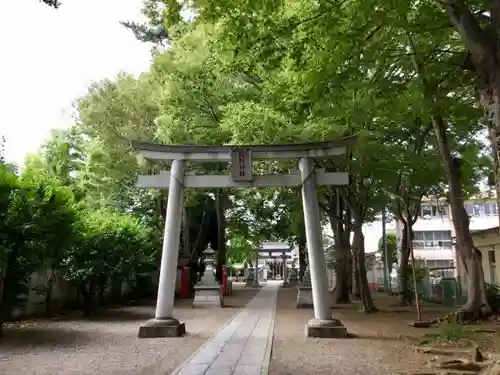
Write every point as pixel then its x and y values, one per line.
pixel 434 250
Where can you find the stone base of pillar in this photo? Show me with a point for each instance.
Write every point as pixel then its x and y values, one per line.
pixel 285 284
pixel 331 328
pixel 207 296
pixel 162 328
pixel 304 297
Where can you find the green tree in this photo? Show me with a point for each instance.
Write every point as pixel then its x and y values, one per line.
pixel 392 251
pixel 240 248
pixel 478 26
pixel 293 72
pixel 110 245
pixel 360 65
pixel 36 231
pixel 53 218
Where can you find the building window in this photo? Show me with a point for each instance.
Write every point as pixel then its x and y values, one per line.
pixel 487 209
pixel 478 209
pixel 443 211
pixel 481 209
pixel 439 239
pixel 493 266
pixel 428 211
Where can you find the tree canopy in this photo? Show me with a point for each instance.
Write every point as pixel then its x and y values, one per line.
pixel 393 74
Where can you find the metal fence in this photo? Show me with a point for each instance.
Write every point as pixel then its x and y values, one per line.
pixel 446 290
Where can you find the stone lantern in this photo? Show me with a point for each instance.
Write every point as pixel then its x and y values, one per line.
pixel 304 290
pixel 207 292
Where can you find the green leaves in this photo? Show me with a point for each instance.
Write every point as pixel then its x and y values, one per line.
pixel 46 224
pixel 240 249
pixel 111 243
pixel 392 250
pixel 253 123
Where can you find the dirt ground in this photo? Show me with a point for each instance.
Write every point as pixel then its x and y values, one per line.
pixel 392 323
pixel 383 343
pixel 107 343
pixel 392 320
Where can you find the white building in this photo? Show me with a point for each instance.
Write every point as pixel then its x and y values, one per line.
pixel 434 230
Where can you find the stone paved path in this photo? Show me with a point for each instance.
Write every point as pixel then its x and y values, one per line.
pixel 242 346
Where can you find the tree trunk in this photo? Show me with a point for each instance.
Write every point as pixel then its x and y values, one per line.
pixel 359 248
pixel 200 242
pixel 476 305
pixel 221 238
pixel 1 303
pixel 340 220
pixel 355 286
pixel 13 277
pixel 342 273
pixel 494 133
pixel 483 60
pixel 102 288
pixel 48 296
pixel 342 261
pixel 116 288
pixel 404 269
pixel 302 255
pixel 87 291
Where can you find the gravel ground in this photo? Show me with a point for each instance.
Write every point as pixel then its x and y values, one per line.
pixel 370 354
pixel 108 344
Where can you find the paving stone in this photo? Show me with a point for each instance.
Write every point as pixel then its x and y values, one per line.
pixel 207 354
pixel 221 370
pixel 239 348
pixel 247 370
pixel 193 369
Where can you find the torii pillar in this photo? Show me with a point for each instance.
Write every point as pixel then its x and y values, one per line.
pixel 164 324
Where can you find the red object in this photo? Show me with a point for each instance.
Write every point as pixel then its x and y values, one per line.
pixel 224 281
pixel 184 292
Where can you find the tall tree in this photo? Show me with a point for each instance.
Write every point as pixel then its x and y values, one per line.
pixel 478 25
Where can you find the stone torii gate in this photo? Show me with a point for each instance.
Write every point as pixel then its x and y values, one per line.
pixel 241 157
pixel 278 252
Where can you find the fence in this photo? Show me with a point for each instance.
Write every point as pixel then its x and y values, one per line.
pixel 446 290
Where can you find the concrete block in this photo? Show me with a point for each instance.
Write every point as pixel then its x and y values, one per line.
pixel 162 328
pixel 332 328
pixel 304 297
pixel 207 296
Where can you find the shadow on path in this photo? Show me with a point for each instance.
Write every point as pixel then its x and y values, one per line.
pixel 50 337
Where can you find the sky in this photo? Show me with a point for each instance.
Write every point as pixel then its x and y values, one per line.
pixel 50 56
